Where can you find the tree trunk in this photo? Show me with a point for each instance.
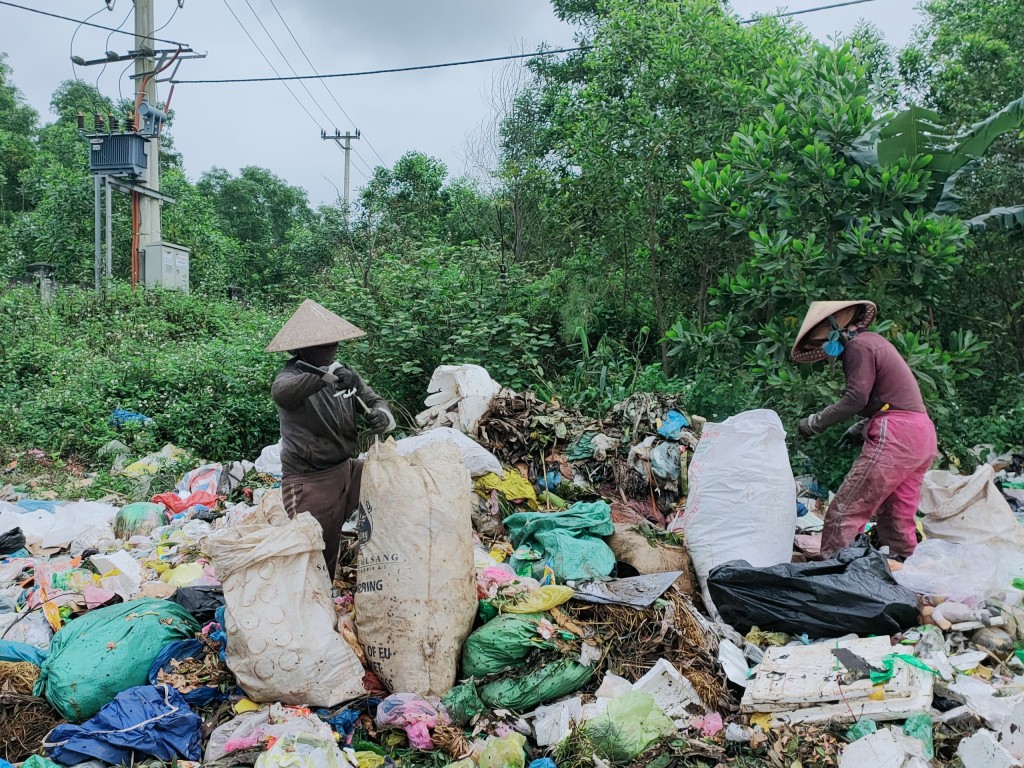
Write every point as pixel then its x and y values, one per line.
pixel 653 246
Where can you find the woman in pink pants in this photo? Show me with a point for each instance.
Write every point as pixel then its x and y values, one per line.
pixel 897 435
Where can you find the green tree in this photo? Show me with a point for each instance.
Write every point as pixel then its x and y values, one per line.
pixel 18 125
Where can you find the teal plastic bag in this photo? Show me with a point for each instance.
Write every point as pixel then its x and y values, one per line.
pixel 550 682
pixel 502 643
pixel 920 727
pixel 107 651
pixel 570 541
pixel 631 724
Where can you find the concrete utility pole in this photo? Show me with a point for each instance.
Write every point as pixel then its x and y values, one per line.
pixel 149 207
pixel 347 147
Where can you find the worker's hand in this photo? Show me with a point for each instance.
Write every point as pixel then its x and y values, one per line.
pixel 804 427
pixel 344 377
pixel 380 420
pixel 854 436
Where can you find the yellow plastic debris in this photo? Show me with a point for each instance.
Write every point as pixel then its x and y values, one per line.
pixel 246 705
pixel 763 720
pixel 183 575
pixel 369 760
pixel 513 486
pixel 543 599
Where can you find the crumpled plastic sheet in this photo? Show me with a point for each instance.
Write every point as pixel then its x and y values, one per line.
pixel 418 716
pixel 117 733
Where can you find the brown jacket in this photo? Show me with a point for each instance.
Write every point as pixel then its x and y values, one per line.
pixel 318 430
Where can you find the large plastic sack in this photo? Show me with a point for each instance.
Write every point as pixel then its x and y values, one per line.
pixel 968 509
pixel 460 396
pixel 77 525
pixel 274 722
pixel 742 500
pixel 478 460
pixel 851 593
pixel 138 519
pixel 303 751
pixel 146 720
pixel 502 643
pixel 632 723
pixel 180 650
pixel 570 540
pixel 416 588
pixel 106 651
pixel 280 622
pixel 523 693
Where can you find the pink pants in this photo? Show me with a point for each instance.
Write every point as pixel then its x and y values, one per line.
pixel 885 481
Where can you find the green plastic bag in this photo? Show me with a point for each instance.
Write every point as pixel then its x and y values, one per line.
pixel 506 752
pixel 860 729
pixel 138 519
pixel 631 724
pixel 570 540
pixel 107 651
pixel 521 694
pixel 920 727
pixel 502 643
pixel 463 703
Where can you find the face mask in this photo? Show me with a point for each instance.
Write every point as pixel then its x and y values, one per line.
pixel 833 345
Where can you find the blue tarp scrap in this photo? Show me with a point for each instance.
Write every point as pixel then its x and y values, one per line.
pixel 146 720
pixel 179 650
pixel 673 424
pixel 120 417
pixel 11 650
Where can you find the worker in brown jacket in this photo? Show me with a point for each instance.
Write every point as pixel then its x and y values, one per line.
pixel 318 400
pixel 898 438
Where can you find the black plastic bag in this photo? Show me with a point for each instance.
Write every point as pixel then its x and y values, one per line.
pixel 851 593
pixel 11 541
pixel 201 602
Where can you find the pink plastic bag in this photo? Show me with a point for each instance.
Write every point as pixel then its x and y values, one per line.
pixel 418 716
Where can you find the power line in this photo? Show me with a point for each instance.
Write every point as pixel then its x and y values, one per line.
pixel 806 10
pixel 396 69
pixel 288 63
pixel 106 43
pixel 87 23
pixel 71 45
pixel 322 82
pixel 490 59
pixel 272 67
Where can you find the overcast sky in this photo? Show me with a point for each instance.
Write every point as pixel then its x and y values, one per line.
pixel 260 124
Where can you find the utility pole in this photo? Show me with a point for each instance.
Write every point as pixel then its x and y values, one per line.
pixel 347 147
pixel 145 80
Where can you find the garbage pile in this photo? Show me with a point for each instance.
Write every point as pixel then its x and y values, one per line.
pixel 521 586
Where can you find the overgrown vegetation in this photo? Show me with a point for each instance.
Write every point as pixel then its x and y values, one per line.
pixel 655 213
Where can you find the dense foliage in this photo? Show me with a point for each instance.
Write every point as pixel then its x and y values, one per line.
pixel 654 212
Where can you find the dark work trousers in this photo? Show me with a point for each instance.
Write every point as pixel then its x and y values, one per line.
pixel 330 496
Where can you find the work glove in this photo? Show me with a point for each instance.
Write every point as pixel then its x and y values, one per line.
pixel 804 427
pixel 854 436
pixel 380 420
pixel 341 376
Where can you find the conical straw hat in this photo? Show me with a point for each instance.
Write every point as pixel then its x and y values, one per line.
pixel 311 326
pixel 819 312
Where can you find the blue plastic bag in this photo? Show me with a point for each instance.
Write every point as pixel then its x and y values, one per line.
pixel 146 720
pixel 11 650
pixel 673 424
pixel 180 650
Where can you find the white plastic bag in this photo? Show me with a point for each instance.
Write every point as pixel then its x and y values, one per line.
pixel 963 573
pixel 416 591
pixel 32 629
pixel 269 461
pixel 968 509
pixel 460 396
pixel 742 500
pixel 478 460
pixel 280 622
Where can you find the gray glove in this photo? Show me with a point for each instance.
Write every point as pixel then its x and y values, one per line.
pixel 806 426
pixel 379 420
pixel 341 376
pixel 854 436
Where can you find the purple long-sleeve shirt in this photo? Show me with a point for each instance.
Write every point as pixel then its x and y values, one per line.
pixel 876 376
